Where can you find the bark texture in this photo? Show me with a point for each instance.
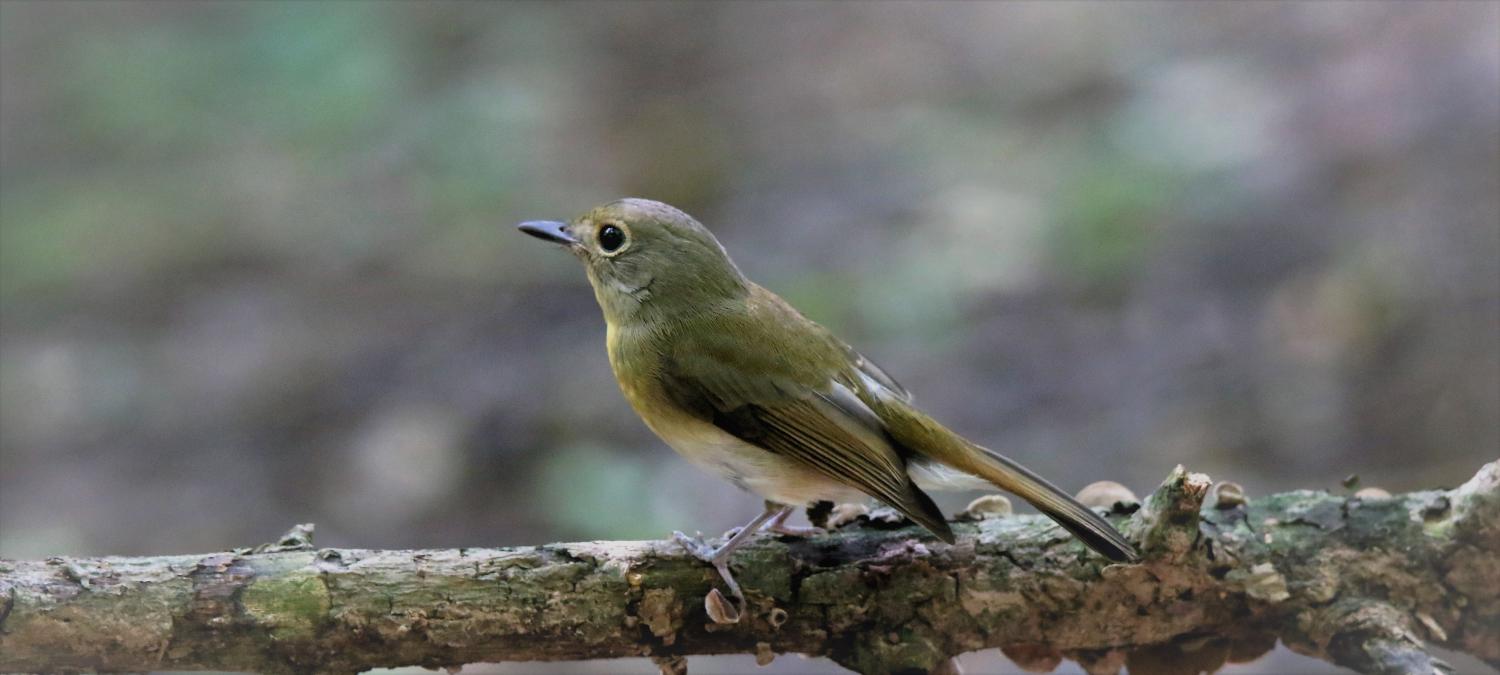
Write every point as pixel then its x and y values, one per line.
pixel 1363 582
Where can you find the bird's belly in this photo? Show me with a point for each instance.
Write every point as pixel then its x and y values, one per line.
pixel 772 476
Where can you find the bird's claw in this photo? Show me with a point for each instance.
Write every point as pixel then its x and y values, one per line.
pixel 777 525
pixel 795 530
pixel 719 609
pixel 695 547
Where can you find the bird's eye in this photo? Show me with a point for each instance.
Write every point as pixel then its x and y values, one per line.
pixel 611 238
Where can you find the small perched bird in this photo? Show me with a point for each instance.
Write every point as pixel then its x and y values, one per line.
pixel 739 382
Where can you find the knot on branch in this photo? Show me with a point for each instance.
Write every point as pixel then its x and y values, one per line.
pixel 1167 524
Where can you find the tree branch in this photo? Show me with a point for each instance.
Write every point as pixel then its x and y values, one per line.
pixel 1363 582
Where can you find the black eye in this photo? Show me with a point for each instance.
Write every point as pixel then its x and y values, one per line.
pixel 611 238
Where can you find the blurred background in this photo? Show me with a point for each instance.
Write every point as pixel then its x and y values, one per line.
pixel 258 264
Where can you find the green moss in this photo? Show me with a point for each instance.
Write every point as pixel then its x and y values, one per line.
pixel 830 588
pixel 766 570
pixel 293 605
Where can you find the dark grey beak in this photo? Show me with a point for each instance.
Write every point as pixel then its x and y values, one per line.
pixel 549 230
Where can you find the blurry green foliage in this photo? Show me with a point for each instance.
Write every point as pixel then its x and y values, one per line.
pixel 595 493
pixel 1107 218
pixel 278 73
pixel 251 131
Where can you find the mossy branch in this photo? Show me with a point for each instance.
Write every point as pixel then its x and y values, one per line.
pixel 1363 582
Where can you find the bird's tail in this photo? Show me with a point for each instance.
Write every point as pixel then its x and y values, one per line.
pixel 932 442
pixel 1047 498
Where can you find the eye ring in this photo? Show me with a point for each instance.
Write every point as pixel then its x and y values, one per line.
pixel 613 238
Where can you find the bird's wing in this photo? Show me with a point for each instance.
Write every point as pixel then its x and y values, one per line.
pixel 875 373
pixel 763 400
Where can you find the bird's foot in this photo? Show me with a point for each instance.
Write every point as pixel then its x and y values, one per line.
pixel 719 609
pixel 695 546
pixel 778 525
pixel 794 530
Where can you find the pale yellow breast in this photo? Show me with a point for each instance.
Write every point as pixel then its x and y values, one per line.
pixel 749 467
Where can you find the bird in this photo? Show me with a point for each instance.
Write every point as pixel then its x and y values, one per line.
pixel 739 382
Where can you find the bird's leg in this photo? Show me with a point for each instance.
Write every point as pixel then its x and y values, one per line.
pixel 778 524
pixel 719 557
pixel 711 555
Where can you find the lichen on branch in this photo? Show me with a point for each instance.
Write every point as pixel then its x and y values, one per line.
pixel 1365 582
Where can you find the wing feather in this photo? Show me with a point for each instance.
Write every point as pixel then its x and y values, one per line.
pixel 827 430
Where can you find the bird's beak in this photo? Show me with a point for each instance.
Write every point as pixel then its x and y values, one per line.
pixel 549 230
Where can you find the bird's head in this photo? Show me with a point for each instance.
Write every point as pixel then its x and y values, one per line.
pixel 646 259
